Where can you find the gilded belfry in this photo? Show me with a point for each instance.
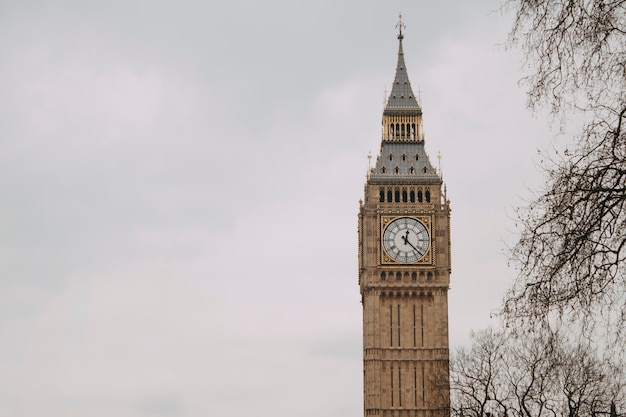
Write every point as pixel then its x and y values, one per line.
pixel 404 267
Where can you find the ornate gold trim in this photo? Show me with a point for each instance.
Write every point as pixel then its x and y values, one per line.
pixel 385 259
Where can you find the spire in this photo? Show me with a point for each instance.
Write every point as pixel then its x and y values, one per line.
pixel 401 97
pixel 403 157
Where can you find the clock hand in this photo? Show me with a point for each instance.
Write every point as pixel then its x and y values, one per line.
pixel 413 246
pixel 407 242
pixel 406 238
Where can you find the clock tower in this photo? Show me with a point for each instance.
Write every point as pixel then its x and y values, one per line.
pixel 404 267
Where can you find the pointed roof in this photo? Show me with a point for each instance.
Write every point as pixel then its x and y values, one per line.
pixel 403 162
pixel 401 97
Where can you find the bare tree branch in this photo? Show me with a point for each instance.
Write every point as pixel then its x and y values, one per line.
pixel 540 375
pixel 572 247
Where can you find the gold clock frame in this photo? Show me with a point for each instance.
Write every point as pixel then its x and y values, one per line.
pixel 385 259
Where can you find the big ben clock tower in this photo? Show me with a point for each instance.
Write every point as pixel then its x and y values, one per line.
pixel 404 267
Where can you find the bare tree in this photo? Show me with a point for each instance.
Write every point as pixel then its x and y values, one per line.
pixel 572 247
pixel 540 375
pixel 475 377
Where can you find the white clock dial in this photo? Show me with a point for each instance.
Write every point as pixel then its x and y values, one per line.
pixel 406 240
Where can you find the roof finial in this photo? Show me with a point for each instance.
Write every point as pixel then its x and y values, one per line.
pixel 439 158
pixel 385 97
pixel 400 26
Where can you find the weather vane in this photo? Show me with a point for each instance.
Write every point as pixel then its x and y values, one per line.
pixel 400 25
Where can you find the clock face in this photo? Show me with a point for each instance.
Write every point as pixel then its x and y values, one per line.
pixel 406 240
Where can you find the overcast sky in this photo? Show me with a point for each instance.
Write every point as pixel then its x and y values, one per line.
pixel 179 187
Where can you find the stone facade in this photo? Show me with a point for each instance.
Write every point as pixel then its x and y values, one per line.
pixel 404 268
